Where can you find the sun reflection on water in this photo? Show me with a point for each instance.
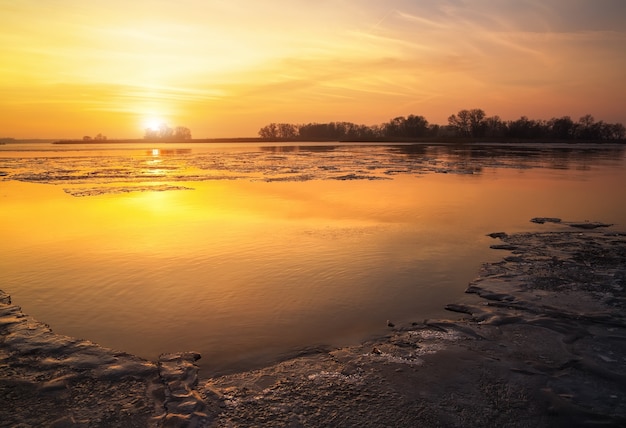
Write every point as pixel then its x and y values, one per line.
pixel 223 264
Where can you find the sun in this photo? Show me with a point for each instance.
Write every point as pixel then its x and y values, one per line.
pixel 153 123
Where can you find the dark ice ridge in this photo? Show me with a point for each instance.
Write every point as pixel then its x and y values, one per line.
pixel 577 224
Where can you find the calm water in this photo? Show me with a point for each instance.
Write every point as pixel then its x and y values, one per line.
pixel 250 253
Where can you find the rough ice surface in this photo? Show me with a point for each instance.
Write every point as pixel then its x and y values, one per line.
pixel 48 379
pixel 542 345
pixel 154 170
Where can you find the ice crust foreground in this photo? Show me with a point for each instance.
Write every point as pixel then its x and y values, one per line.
pixel 542 343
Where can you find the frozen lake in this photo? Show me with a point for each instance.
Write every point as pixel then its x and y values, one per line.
pixel 248 253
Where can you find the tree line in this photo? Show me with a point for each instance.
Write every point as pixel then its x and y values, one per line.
pixel 164 132
pixel 472 123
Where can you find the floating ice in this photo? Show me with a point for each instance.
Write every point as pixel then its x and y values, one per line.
pixel 270 164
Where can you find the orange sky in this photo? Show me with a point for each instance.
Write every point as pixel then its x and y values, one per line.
pixel 226 68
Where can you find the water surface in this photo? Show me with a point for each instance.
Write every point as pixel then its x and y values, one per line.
pixel 247 253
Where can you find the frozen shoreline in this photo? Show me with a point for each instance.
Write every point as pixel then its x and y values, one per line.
pixel 542 344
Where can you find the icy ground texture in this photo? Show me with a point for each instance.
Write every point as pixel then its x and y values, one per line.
pixel 541 343
pixel 98 173
pixel 52 380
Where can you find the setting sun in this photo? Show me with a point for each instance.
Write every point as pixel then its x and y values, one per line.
pixel 153 123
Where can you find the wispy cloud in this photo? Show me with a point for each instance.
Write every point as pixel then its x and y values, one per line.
pixel 423 21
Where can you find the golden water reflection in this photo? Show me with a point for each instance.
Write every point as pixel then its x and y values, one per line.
pixel 244 271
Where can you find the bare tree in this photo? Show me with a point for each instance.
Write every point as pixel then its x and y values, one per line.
pixel 561 128
pixel 182 133
pixel 468 123
pixel 164 132
pixel 269 132
pixel 494 127
pixel 287 131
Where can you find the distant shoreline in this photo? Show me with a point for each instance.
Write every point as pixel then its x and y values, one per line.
pixel 452 140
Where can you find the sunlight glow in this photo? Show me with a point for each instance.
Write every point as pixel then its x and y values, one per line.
pixel 225 69
pixel 153 123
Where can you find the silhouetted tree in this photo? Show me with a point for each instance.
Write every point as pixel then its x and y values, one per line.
pixel 476 122
pixel 377 131
pixel 164 132
pixel 434 130
pixel 460 123
pixel 587 128
pixel 615 131
pixel 494 127
pixel 360 132
pixel 468 123
pixel 287 131
pixel 182 133
pixel 407 127
pixel 393 128
pixel 329 131
pixel 279 131
pixel 269 132
pixel 561 128
pixel 525 128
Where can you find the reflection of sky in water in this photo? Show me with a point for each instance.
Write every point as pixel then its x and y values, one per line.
pixel 269 250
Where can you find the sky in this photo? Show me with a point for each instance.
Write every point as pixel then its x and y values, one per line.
pixel 226 68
